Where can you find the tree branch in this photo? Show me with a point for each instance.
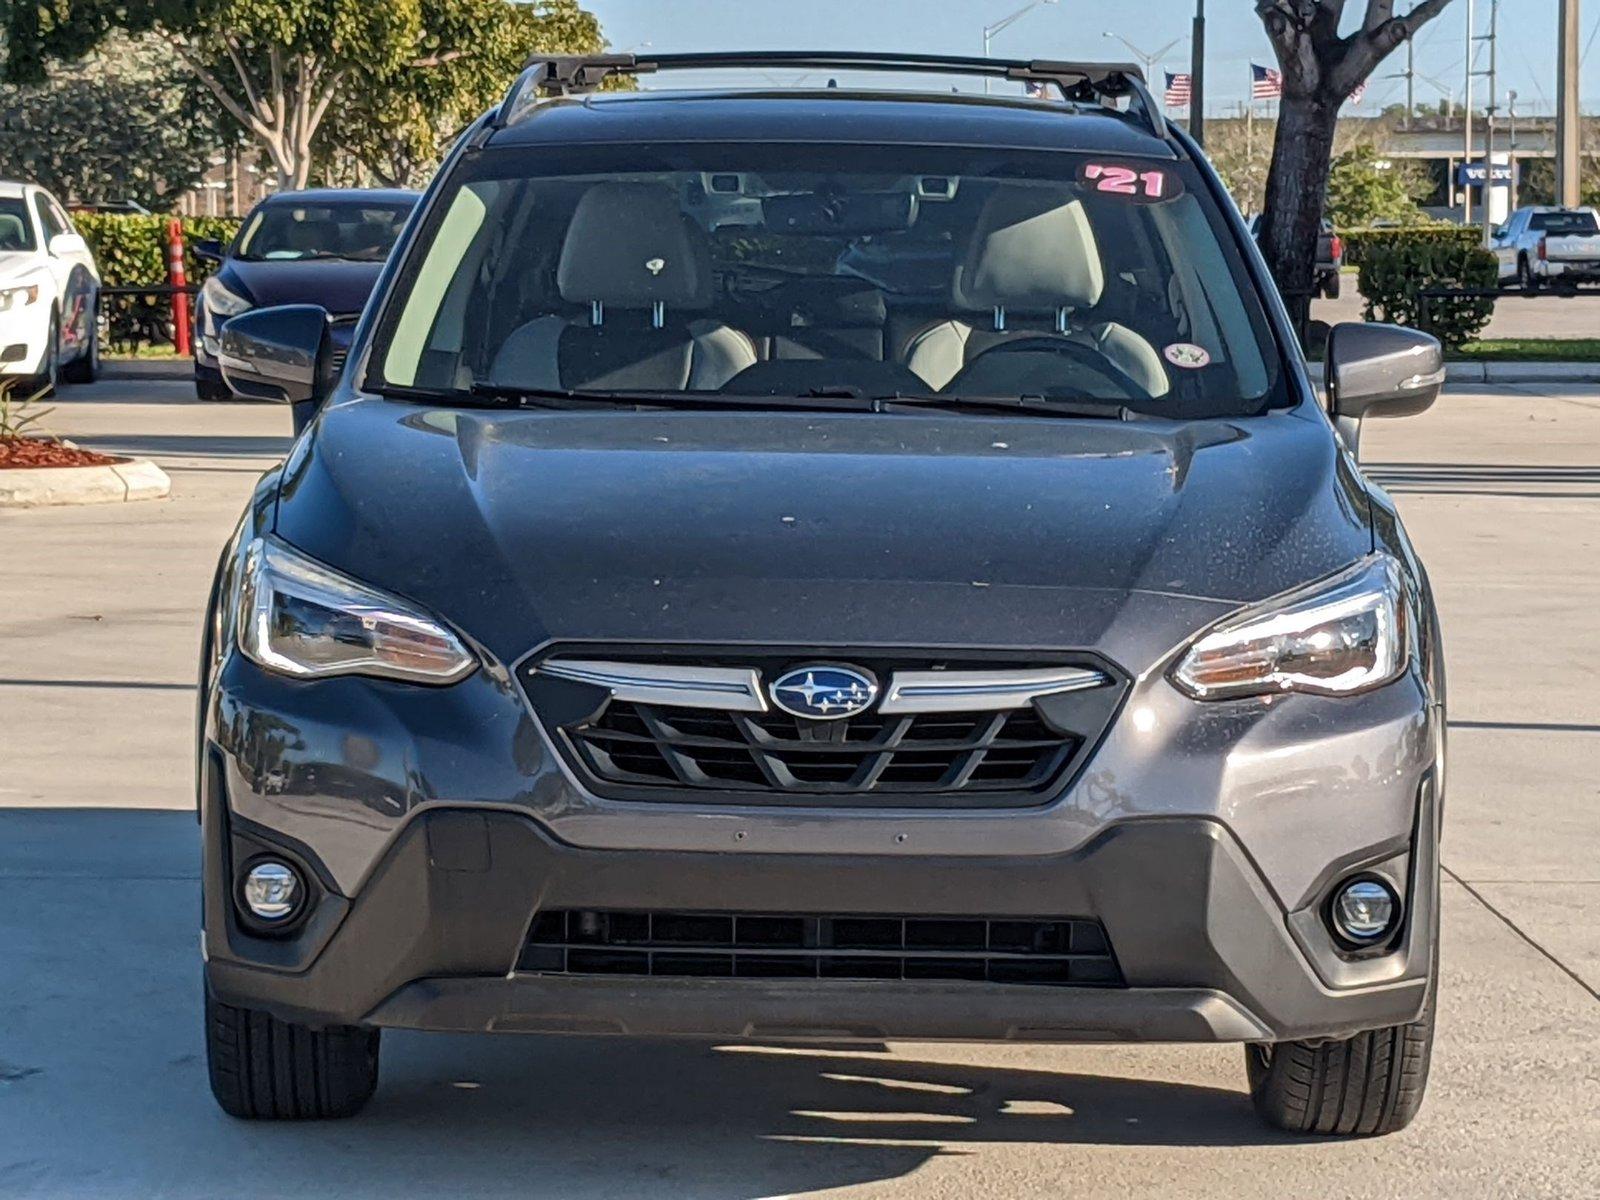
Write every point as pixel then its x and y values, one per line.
pixel 252 93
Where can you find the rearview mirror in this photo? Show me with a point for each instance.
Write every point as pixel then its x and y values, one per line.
pixel 208 250
pixel 1380 371
pixel 283 354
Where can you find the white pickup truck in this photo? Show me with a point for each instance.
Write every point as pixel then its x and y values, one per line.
pixel 1539 245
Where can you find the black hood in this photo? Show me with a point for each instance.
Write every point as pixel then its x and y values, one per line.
pixel 339 285
pixel 811 529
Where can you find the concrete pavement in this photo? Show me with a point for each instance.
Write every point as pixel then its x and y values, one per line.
pixel 102 1088
pixel 1515 315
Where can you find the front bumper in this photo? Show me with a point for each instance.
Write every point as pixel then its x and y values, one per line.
pixel 24 339
pixel 434 937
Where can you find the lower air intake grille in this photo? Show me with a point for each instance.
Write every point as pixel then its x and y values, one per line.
pixel 1055 951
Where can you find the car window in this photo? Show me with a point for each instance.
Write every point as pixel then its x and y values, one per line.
pixel 364 232
pixel 1566 223
pixel 47 217
pixel 782 270
pixel 16 231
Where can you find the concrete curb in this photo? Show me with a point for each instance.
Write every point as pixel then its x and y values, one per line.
pixel 40 487
pixel 1523 372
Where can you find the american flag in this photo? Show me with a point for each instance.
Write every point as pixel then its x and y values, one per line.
pixel 1265 83
pixel 1179 89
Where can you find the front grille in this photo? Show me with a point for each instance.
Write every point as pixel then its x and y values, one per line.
pixel 632 743
pixel 1020 950
pixel 663 748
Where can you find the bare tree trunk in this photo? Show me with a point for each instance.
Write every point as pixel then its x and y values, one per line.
pixel 1297 187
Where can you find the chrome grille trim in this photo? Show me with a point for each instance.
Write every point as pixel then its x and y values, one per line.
pixel 733 689
pixel 965 691
pixel 739 689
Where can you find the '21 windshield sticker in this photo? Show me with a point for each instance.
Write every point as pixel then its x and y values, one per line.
pixel 1142 184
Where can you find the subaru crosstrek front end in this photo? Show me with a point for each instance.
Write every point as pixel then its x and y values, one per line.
pixel 826 565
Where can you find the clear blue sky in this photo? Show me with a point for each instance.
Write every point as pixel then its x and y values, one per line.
pixel 1073 28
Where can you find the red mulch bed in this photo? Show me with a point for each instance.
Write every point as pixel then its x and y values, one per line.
pixel 47 452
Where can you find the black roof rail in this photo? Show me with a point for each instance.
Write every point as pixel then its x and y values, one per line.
pixel 562 75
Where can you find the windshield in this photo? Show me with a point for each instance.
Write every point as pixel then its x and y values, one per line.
pixel 363 232
pixel 806 270
pixel 16 231
pixel 1566 222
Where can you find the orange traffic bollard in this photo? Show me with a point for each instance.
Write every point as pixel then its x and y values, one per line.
pixel 178 280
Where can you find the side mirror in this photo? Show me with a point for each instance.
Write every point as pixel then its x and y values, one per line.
pixel 208 250
pixel 1498 233
pixel 64 244
pixel 283 354
pixel 1380 371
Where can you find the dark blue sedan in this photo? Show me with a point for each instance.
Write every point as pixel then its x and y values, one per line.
pixel 314 247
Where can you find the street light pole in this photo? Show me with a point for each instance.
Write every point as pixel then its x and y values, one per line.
pixel 1197 75
pixel 1005 23
pixel 1147 61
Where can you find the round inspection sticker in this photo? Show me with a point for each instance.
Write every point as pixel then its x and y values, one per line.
pixel 1187 355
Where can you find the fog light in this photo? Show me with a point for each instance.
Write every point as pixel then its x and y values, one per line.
pixel 272 890
pixel 1365 911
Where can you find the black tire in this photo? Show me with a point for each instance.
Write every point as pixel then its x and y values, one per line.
pixel 265 1069
pixel 1331 286
pixel 1526 279
pixel 86 367
pixel 1369 1084
pixel 212 391
pixel 44 383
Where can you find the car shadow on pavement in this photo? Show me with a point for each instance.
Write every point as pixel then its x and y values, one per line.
pixel 103 1089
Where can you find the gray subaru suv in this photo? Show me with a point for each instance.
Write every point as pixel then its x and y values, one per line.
pixel 842 564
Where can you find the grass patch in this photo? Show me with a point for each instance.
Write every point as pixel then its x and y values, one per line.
pixel 1529 350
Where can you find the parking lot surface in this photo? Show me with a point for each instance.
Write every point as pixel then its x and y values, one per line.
pixel 102 1076
pixel 1515 315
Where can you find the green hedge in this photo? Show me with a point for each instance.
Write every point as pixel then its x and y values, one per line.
pixel 1397 264
pixel 1357 238
pixel 131 251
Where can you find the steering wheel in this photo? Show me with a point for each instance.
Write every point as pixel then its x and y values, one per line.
pixel 1081 356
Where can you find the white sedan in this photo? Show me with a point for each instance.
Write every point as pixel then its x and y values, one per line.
pixel 48 286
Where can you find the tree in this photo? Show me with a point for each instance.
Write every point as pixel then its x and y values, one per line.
pixel 399 132
pixel 111 127
pixel 1320 68
pixel 278 66
pixel 1363 188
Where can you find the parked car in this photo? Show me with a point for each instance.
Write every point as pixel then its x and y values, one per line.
pixel 661 628
pixel 49 286
pixel 317 247
pixel 1540 245
pixel 1330 257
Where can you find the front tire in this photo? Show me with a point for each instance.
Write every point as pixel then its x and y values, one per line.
pixel 1369 1084
pixel 86 367
pixel 265 1069
pixel 44 383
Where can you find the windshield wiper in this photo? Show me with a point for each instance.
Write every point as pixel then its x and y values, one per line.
pixel 504 395
pixel 1036 405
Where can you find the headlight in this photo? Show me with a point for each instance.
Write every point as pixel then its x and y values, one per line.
pixel 300 618
pixel 222 303
pixel 1332 638
pixel 16 297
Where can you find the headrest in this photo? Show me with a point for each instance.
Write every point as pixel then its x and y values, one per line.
pixel 13 234
pixel 629 246
pixel 1033 250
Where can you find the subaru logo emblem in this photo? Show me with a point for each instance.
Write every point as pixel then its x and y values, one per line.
pixel 823 693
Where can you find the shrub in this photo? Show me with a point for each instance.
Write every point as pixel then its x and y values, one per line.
pixel 1398 264
pixel 131 251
